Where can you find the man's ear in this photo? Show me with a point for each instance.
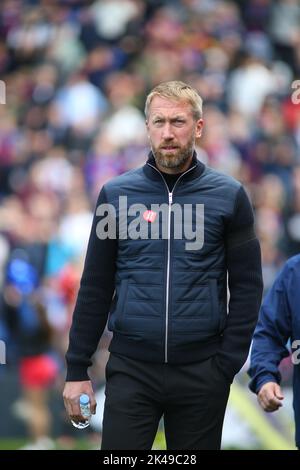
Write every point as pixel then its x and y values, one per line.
pixel 199 127
pixel 147 127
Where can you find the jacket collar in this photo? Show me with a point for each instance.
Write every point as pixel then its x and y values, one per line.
pixel 197 168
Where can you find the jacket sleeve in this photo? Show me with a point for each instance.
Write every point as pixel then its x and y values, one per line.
pixel 93 300
pixel 271 335
pixel 245 287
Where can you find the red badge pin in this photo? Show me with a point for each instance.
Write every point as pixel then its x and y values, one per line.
pixel 149 216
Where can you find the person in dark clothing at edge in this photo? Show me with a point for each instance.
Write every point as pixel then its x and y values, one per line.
pixel 279 323
pixel 176 347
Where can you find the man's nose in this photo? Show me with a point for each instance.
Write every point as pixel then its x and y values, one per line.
pixel 167 131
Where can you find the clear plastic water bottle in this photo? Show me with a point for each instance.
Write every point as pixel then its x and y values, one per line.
pixel 85 409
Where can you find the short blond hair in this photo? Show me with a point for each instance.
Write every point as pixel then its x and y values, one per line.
pixel 176 90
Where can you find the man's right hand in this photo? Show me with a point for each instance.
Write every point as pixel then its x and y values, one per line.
pixel 71 394
pixel 270 396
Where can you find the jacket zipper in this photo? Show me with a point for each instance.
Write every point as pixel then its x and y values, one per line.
pixel 170 201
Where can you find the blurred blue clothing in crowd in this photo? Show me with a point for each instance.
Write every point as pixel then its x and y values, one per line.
pixel 279 324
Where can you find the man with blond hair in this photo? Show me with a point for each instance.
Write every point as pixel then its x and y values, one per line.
pixel 166 240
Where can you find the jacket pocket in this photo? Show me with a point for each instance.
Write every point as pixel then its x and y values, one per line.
pixel 215 307
pixel 198 301
pixel 122 297
pixel 118 306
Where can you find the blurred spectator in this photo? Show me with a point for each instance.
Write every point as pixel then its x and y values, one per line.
pixel 27 319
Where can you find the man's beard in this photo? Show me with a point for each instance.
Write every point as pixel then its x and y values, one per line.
pixel 175 159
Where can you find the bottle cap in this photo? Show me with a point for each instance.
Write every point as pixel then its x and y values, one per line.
pixel 84 399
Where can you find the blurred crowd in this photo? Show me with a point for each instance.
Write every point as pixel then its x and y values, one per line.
pixel 76 74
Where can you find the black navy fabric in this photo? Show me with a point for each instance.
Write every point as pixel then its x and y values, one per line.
pixel 279 324
pixel 191 397
pixel 176 313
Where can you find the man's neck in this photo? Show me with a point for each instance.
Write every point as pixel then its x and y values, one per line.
pixel 171 178
pixel 179 169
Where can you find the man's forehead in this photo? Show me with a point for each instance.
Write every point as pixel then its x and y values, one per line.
pixel 165 106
